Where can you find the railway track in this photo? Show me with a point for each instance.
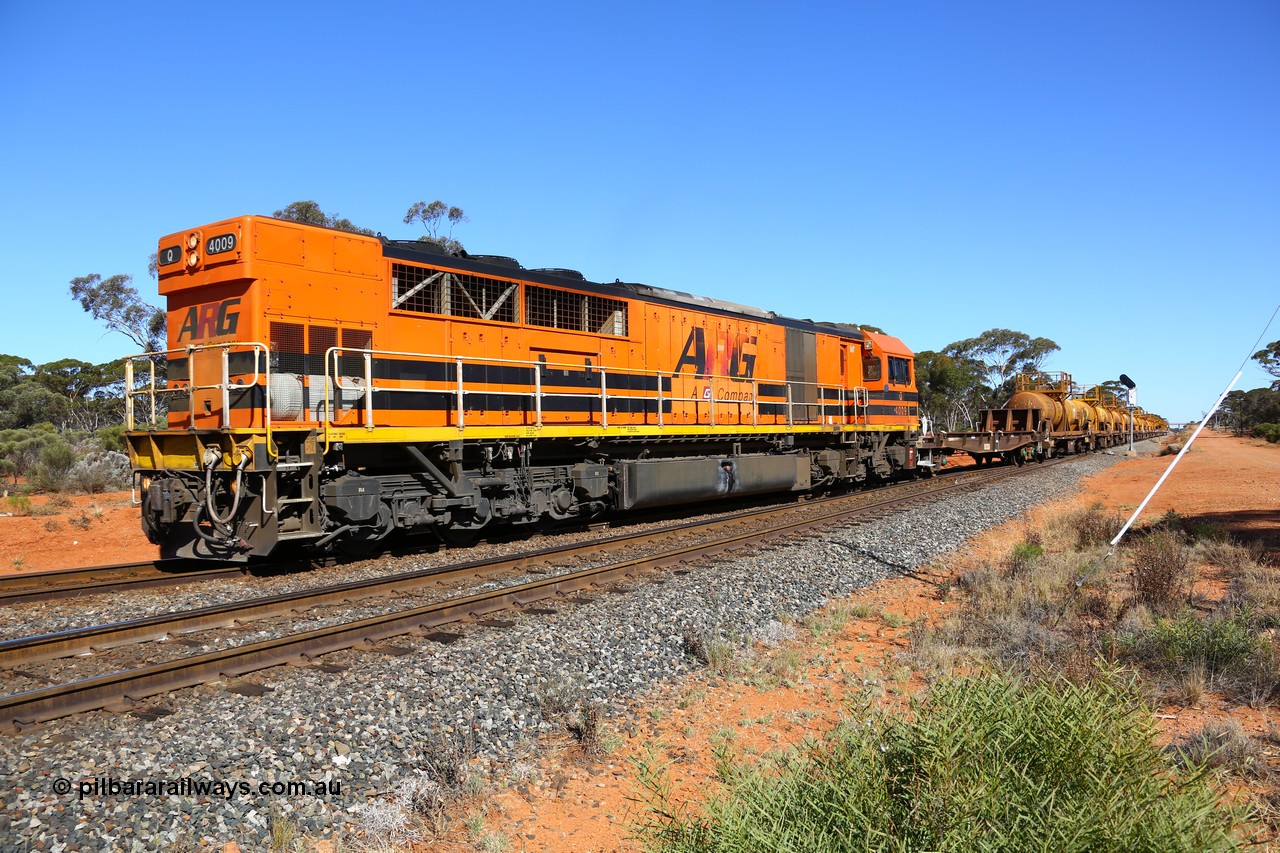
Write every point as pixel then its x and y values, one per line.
pixel 116 577
pixel 80 582
pixel 119 689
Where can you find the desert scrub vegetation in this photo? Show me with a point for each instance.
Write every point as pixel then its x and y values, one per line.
pixel 712 647
pixel 1082 530
pixel 50 461
pixel 1140 610
pixel 986 762
pixel 1037 730
pixel 1223 744
pixel 1030 613
pixel 1161 569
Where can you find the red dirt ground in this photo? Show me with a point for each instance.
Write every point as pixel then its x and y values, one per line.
pixel 592 803
pixel 94 530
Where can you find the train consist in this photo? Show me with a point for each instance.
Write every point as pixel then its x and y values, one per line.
pixel 325 389
pixel 1048 415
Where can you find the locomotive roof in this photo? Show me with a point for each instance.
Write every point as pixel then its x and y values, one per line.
pixel 426 252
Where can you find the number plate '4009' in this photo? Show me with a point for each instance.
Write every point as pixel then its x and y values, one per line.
pixel 221 243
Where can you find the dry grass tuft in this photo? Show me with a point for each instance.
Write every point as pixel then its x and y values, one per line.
pixel 1084 529
pixel 1223 744
pixel 1162 572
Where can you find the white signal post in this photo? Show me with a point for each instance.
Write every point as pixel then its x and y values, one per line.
pixel 1133 399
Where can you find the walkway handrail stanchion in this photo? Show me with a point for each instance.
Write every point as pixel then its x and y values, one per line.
pixel 368 390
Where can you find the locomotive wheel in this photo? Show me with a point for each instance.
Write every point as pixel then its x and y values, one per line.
pixel 458 537
pixel 366 539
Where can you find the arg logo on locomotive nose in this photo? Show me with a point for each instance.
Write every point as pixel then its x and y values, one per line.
pixel 211 320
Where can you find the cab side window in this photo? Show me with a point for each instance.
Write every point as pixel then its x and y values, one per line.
pixel 899 371
pixel 871 369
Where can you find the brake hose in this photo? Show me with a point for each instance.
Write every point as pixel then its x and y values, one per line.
pixel 219 520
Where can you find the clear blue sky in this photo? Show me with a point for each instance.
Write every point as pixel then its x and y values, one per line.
pixel 1103 174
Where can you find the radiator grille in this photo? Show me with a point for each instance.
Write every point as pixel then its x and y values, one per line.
pixel 579 312
pixel 353 363
pixel 319 340
pixel 287 347
pixel 454 294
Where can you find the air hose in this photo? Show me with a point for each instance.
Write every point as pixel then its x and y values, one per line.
pixel 211 459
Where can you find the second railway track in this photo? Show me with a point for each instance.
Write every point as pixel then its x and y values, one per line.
pixel 117 577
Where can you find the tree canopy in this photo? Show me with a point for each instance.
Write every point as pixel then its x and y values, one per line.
pixel 975 373
pixel 309 213
pixel 1256 412
pixel 115 303
pixel 950 389
pixel 1269 358
pixel 69 394
pixel 433 217
pixel 1000 355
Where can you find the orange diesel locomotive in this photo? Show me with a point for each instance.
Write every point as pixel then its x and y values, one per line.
pixel 328 388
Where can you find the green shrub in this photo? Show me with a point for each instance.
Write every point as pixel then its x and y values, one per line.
pixel 1023 555
pixel 980 763
pixel 18 504
pixel 111 438
pixel 20 448
pixel 1224 646
pixel 1206 531
pixel 1271 432
pixel 56 459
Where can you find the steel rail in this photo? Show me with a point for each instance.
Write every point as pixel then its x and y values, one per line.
pixel 76 575
pixel 92 580
pixel 128 686
pixel 58 584
pixel 97 638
